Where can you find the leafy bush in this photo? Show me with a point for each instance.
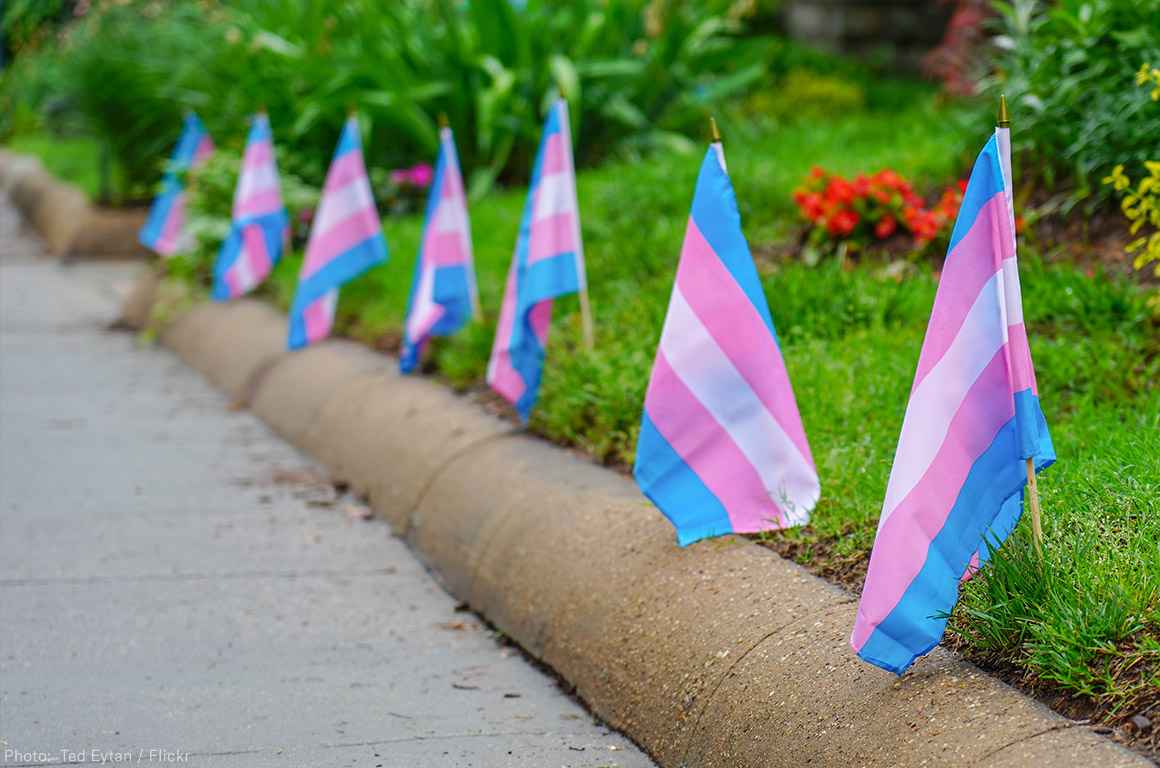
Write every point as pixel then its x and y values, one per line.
pixel 1067 66
pixel 639 75
pixel 210 192
pixel 1141 206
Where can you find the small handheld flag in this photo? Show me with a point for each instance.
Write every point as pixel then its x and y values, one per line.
pixel 260 224
pixel 972 424
pixel 346 239
pixel 443 292
pixel 721 446
pixel 548 262
pixel 164 230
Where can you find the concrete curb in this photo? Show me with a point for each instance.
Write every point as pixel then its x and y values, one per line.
pixel 721 654
pixel 61 215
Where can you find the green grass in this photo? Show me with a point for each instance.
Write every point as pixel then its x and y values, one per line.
pixel 74 159
pixel 1086 620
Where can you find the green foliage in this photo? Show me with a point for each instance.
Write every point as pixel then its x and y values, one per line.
pixel 638 75
pixel 1068 67
pixel 210 205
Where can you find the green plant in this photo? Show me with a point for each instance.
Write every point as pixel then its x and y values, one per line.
pixel 1141 206
pixel 1063 65
pixel 638 74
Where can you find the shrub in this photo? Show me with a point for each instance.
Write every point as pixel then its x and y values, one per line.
pixel 1141 206
pixel 1064 65
pixel 638 74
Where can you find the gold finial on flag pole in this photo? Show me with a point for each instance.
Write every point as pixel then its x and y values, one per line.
pixel 1004 121
pixel 351 110
pixel 443 121
pixel 714 134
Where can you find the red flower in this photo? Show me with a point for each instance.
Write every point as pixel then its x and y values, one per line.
pixel 816 172
pixel 842 222
pixel 839 191
pixel 885 227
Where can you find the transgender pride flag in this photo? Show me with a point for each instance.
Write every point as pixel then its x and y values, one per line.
pixel 548 262
pixel 260 225
pixel 973 421
pixel 443 292
pixel 721 445
pixel 345 241
pixel 165 228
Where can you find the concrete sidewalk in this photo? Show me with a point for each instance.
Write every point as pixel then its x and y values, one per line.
pixel 175 578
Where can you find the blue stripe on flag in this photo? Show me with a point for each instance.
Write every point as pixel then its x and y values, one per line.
pixel 346 266
pixel 350 140
pixel 273 227
pixel 716 216
pixel 986 181
pixel 676 489
pixel 992 492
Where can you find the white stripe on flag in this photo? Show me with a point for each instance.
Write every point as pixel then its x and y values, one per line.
pixel 554 196
pixel 342 203
pixel 708 373
pixel 936 400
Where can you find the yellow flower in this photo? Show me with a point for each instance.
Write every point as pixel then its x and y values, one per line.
pixel 1144 74
pixel 1117 179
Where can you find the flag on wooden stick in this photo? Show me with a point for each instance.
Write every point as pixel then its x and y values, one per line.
pixel 721 446
pixel 346 239
pixel 443 293
pixel 548 262
pixel 972 424
pixel 164 230
pixel 260 225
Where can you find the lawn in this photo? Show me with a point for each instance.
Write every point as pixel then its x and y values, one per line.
pixel 77 159
pixel 1086 620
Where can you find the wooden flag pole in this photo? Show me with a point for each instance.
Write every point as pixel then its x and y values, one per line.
pixel 1004 121
pixel 1036 521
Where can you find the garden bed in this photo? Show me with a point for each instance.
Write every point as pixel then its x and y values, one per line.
pixel 1082 629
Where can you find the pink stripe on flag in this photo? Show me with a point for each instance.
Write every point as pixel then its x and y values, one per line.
pixel 204 150
pixel 502 377
pixel 709 450
pixel 255 251
pixel 235 282
pixel 319 316
pixel 174 222
pixel 540 318
pixel 341 237
pixel 258 155
pixel 555 156
pixel 899 554
pixel 552 236
pixel 266 201
pixel 347 168
pixel 447 248
pixel 733 322
pixel 967 270
pixel 1022 372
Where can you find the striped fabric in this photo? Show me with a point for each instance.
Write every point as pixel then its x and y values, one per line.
pixel 164 230
pixel 548 262
pixel 345 240
pixel 956 489
pixel 721 446
pixel 443 291
pixel 260 226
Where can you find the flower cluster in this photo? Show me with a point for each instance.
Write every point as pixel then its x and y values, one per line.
pixel 1140 203
pixel 419 176
pixel 856 212
pixel 1149 76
